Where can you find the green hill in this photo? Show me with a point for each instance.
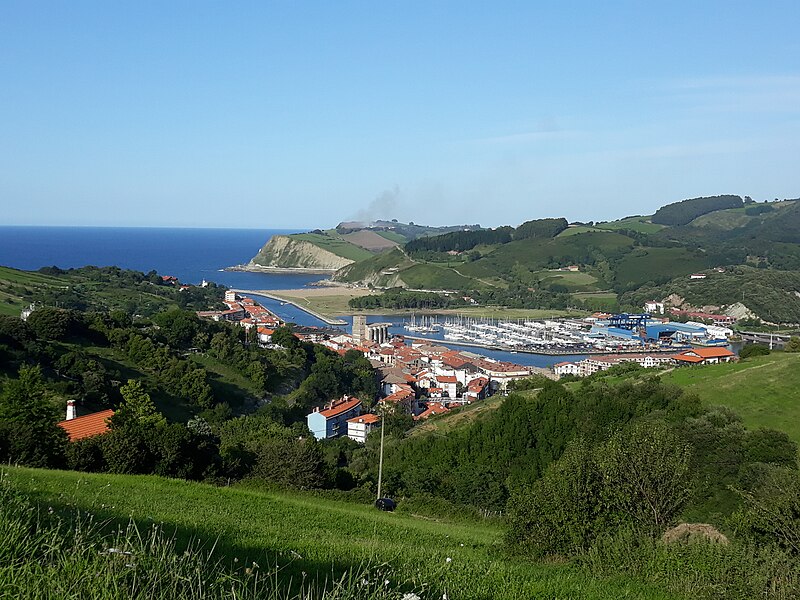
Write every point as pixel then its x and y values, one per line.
pixel 770 294
pixel 763 390
pixel 304 537
pixel 396 269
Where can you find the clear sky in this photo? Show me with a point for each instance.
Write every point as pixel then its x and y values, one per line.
pixel 302 114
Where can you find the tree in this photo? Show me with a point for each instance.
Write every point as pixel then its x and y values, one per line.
pixel 29 431
pixel 52 323
pixel 754 350
pixel 646 470
pixel 562 512
pixel 137 408
pixel 793 345
pixel 284 337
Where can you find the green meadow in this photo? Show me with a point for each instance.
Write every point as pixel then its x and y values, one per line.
pixel 304 536
pixel 763 390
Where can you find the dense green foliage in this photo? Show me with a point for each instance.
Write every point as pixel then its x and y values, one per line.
pixel 29 434
pixel 753 350
pixel 399 298
pixel 768 293
pixel 681 213
pixel 460 241
pixel 540 228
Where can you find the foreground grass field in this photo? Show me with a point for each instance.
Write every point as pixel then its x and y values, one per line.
pixel 763 390
pixel 306 536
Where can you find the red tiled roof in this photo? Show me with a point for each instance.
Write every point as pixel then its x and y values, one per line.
pixel 446 379
pixel 713 352
pixel 434 408
pixel 399 396
pixel 368 418
pixel 87 425
pixel 340 408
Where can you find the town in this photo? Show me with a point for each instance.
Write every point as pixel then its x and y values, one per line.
pixel 423 378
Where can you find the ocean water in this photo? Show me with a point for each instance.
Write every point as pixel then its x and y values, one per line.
pixel 191 255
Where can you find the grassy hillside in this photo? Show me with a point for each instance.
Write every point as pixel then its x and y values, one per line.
pixel 536 254
pixel 16 287
pixel 395 268
pixel 656 264
pixel 308 537
pixel 763 390
pixel 640 224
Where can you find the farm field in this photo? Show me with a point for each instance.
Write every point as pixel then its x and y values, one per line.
pixel 763 390
pixel 307 536
pixel 333 242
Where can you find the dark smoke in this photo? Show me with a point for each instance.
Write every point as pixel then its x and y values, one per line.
pixel 381 208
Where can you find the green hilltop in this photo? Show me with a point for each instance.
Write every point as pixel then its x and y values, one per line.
pixel 614 265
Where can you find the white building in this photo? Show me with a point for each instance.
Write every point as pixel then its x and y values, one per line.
pixel 358 428
pixel 654 307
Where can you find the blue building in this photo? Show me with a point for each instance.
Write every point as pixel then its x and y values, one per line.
pixel 332 420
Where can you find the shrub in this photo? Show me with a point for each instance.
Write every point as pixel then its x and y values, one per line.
pixel 754 350
pixel 562 512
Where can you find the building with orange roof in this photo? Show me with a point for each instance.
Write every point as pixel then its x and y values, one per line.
pixel 705 356
pixel 358 428
pixel 87 426
pixel 331 421
pixel 434 408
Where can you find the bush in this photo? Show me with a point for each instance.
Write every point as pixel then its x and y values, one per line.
pixel 754 350
pixel 561 513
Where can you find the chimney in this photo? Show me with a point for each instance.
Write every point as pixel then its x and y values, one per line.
pixel 70 410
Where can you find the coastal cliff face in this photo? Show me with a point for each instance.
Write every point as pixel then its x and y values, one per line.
pixel 285 252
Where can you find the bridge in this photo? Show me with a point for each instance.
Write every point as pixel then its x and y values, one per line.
pixel 773 340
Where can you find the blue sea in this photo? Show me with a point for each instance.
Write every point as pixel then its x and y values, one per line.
pixel 191 255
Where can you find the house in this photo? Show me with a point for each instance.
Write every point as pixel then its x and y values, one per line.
pixel 654 307
pixel 448 384
pixel 358 428
pixel 434 408
pixel 698 276
pixel 90 425
pixel 567 368
pixel 477 389
pixel 332 420
pixel 435 392
pixel 404 398
pixel 705 356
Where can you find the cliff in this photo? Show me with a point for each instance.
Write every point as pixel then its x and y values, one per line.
pixel 288 252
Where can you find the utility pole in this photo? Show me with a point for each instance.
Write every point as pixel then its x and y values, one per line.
pixel 380 460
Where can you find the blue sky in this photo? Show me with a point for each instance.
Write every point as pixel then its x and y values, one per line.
pixel 302 114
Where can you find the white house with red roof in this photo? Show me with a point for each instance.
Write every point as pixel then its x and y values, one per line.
pixel 705 356
pixel 331 421
pixel 358 428
pixel 448 384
